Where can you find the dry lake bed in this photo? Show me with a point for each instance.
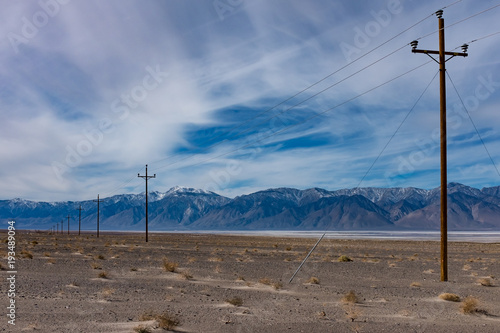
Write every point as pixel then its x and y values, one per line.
pixel 237 283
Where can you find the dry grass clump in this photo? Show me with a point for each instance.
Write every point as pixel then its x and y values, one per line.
pixel 167 321
pixel 103 275
pixel 265 281
pixel 470 305
pixel 344 259
pixel 100 257
pixel 26 254
pixel 142 329
pixel 186 275
pixel 170 266
pixel 350 297
pixel 269 282
pixel 485 282
pixel 236 301
pixel 95 265
pixel 415 284
pixel 450 297
pixel 313 280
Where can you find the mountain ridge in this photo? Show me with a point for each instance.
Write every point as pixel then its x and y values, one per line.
pixel 184 209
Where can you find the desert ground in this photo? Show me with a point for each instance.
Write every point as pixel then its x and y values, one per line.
pixel 225 283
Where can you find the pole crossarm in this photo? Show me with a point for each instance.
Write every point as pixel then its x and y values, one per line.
pixel 454 54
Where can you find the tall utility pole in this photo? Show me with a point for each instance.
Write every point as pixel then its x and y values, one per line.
pixel 146 177
pixel 62 227
pixel 79 219
pixel 444 181
pixel 68 222
pixel 98 201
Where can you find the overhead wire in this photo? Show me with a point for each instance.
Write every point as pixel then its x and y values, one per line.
pixel 473 124
pixel 302 91
pixel 364 176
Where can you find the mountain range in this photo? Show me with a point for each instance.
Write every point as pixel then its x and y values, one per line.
pixel 186 209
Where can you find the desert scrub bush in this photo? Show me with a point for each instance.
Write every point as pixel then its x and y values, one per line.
pixel 26 254
pixel 236 301
pixel 450 297
pixel 344 259
pixel 103 275
pixel 186 275
pixel 170 266
pixel 95 265
pixel 313 280
pixel 142 329
pixel 350 297
pixel 277 285
pixel 469 305
pixel 485 282
pixel 100 257
pixel 133 269
pixel 265 281
pixel 167 321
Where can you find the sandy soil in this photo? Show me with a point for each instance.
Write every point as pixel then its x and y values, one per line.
pixel 118 282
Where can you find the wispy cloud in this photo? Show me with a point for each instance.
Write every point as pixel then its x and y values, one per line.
pixel 93 90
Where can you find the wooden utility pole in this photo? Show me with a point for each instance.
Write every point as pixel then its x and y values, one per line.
pixel 68 222
pixel 79 219
pixel 62 227
pixel 98 201
pixel 146 177
pixel 444 181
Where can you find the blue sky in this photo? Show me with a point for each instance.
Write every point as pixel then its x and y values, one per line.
pixel 206 93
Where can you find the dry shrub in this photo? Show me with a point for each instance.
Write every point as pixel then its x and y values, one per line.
pixel 167 321
pixel 470 305
pixel 142 329
pixel 350 297
pixel 186 275
pixel 95 265
pixel 344 259
pixel 236 301
pixel 485 282
pixel 277 285
pixel 170 266
pixel 265 281
pixel 450 297
pixel 313 280
pixel 103 275
pixel 100 257
pixel 26 254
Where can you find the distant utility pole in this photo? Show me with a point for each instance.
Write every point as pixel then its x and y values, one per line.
pixel 68 222
pixel 444 182
pixel 79 219
pixel 62 227
pixel 98 201
pixel 146 177
pixel 57 229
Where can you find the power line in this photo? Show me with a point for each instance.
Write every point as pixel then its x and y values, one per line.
pixel 311 117
pixel 397 130
pixel 474 125
pixel 375 161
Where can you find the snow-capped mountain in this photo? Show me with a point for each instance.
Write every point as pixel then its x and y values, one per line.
pixel 182 208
